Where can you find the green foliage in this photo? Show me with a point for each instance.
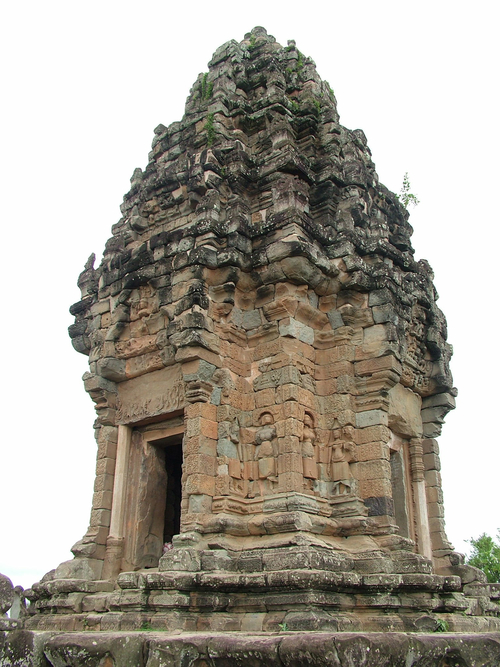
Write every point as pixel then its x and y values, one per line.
pixel 210 128
pixel 330 90
pixel 317 104
pixel 486 556
pixel 406 197
pixel 146 626
pixel 300 61
pixel 295 106
pixel 252 44
pixel 283 627
pixel 442 626
pixel 206 88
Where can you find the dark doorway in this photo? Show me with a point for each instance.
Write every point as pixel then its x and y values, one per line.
pixel 154 495
pixel 173 468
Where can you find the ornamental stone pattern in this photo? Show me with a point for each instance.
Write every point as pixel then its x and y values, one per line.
pixel 270 372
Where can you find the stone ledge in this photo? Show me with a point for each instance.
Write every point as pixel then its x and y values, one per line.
pixel 284 649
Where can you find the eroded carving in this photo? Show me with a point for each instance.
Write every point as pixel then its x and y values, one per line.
pixel 266 454
pixel 342 454
pixel 308 443
pixel 151 406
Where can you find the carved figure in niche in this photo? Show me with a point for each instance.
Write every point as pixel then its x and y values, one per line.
pixel 266 452
pixel 308 442
pixel 142 302
pixel 341 455
pixel 237 484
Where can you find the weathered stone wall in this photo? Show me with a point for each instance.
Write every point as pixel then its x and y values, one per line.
pixel 283 650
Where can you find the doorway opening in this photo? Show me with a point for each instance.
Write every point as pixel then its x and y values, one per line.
pixel 173 495
pixel 402 493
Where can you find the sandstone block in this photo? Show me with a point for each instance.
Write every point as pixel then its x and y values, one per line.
pixel 371 418
pixel 105 466
pixel 434 494
pixel 227 448
pixel 375 488
pixel 198 483
pixel 377 364
pixel 102 500
pixel 182 559
pixel 430 446
pixel 265 397
pixel 431 429
pixel 104 482
pixel 295 329
pixel 311 316
pixel 289 463
pixel 310 468
pixel 200 463
pixel 200 445
pixel 372 451
pixel 100 517
pixel 432 462
pixel 200 504
pixel 433 478
pixel 375 469
pixel 442 399
pixel 201 410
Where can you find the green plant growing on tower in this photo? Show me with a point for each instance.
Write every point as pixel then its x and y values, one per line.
pixel 406 197
pixel 330 90
pixel 206 88
pixel 300 60
pixel 442 626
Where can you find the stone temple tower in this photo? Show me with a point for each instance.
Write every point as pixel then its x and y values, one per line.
pixel 270 371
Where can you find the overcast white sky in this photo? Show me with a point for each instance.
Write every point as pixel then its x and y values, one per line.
pixel 83 86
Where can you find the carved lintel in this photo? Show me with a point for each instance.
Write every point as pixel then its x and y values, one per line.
pixel 142 408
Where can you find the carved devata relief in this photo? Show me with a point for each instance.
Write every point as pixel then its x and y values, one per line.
pixel 309 455
pixel 342 454
pixel 266 457
pixel 141 322
pixel 326 466
pixel 255 472
pixel 142 302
